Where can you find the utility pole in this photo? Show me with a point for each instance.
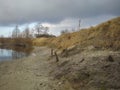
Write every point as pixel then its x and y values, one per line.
pixel 79 25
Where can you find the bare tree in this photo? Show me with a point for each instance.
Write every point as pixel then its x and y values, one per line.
pixel 41 30
pixel 38 28
pixel 16 32
pixel 46 29
pixel 27 32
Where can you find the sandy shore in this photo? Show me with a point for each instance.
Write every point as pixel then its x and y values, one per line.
pixel 87 70
pixel 30 73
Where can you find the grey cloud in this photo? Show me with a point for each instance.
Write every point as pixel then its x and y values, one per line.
pixel 26 11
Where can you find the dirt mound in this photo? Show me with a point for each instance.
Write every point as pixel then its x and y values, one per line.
pixel 105 35
pixel 90 70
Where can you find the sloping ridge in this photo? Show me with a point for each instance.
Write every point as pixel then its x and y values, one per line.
pixel 105 35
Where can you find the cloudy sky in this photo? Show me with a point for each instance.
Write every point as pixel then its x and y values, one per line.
pixel 56 14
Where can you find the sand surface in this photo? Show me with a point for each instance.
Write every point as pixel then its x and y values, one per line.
pixel 30 73
pixel 87 70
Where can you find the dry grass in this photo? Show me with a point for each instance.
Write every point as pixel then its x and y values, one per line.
pixel 42 41
pixel 105 35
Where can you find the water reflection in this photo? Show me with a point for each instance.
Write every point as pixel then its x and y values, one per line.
pixel 14 53
pixel 17 55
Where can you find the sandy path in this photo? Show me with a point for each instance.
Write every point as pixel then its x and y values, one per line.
pixel 31 73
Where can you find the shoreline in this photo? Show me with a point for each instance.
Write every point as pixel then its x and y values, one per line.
pixel 39 71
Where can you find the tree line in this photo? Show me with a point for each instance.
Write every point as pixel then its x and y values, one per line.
pixel 37 31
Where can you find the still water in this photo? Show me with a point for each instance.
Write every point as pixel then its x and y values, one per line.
pixel 6 54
